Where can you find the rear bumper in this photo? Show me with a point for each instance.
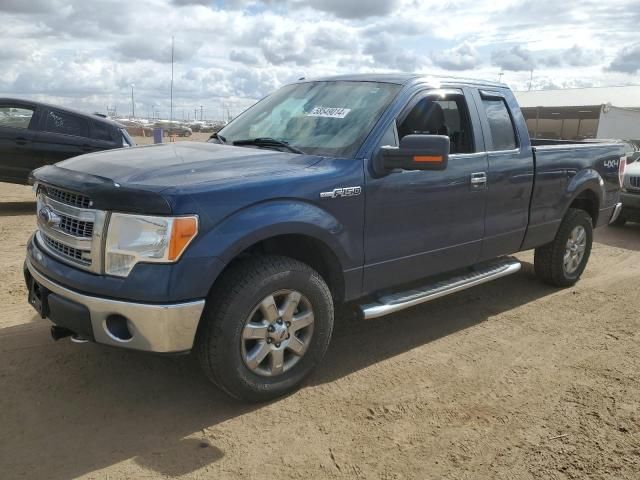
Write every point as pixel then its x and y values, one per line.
pixel 168 328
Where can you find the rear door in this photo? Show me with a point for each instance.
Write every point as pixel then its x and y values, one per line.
pixel 63 135
pixel 18 155
pixel 102 136
pixel 510 174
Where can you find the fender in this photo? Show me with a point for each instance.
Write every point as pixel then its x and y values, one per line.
pixel 587 179
pixel 264 220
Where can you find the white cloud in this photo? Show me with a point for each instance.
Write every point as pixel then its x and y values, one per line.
pixel 87 54
pixel 462 57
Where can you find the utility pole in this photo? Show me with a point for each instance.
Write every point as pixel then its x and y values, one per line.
pixel 200 112
pixel 171 90
pixel 500 77
pixel 530 79
pixel 133 105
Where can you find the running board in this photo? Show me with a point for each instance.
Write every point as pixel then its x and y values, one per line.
pixel 479 274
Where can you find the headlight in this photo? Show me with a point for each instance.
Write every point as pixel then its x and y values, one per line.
pixel 140 238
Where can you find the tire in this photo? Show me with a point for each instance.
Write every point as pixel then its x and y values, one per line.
pixel 549 259
pixel 236 304
pixel 619 222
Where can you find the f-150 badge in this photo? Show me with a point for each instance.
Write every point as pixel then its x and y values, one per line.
pixel 342 192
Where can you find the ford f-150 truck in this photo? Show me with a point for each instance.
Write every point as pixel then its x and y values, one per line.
pixel 384 191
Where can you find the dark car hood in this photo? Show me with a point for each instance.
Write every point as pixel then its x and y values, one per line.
pixel 185 163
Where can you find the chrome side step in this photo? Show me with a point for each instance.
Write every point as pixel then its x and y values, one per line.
pixel 391 303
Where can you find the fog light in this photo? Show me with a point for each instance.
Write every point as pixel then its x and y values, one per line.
pixel 117 327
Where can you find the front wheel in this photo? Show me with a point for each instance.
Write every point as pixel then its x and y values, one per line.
pixel 562 261
pixel 266 326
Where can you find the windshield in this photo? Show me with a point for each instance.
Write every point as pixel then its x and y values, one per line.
pixel 320 118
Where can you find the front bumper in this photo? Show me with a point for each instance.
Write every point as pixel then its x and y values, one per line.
pixel 630 200
pixel 168 328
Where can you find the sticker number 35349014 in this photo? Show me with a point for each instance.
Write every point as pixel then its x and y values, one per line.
pixel 329 112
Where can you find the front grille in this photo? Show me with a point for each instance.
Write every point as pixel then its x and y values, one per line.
pixel 68 229
pixel 74 254
pixel 68 198
pixel 634 182
pixel 77 228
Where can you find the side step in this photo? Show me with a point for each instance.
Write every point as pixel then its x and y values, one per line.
pixel 482 273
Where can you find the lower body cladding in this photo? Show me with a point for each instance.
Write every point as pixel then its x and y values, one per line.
pixel 138 326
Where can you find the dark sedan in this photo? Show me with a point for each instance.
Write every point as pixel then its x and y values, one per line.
pixel 33 134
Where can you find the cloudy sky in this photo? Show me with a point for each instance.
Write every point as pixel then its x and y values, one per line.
pixel 88 53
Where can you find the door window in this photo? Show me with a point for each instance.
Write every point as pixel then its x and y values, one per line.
pixel 100 131
pixel 502 130
pixel 65 123
pixel 441 116
pixel 15 117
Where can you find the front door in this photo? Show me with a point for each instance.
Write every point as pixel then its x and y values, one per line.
pixel 421 223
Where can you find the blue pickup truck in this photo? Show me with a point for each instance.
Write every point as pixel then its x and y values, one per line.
pixel 384 191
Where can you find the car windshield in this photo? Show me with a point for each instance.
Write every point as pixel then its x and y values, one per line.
pixel 319 118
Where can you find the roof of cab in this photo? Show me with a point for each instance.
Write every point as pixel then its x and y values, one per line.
pixel 404 78
pixel 33 103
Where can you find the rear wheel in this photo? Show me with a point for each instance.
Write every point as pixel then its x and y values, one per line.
pixel 266 327
pixel 562 261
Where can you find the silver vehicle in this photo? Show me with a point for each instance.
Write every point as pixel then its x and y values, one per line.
pixel 630 195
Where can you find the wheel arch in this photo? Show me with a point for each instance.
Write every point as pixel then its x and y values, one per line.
pixel 299 230
pixel 586 192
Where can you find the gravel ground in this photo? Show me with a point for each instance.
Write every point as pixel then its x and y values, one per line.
pixel 512 379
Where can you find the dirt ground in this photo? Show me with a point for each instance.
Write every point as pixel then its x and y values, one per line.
pixel 510 380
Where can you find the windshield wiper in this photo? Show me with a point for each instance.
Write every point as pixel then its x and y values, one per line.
pixel 219 137
pixel 268 142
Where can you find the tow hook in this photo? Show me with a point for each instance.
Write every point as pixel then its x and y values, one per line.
pixel 60 332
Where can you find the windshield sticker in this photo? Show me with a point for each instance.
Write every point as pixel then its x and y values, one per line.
pixel 329 112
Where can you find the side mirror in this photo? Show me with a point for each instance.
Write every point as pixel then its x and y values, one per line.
pixel 416 152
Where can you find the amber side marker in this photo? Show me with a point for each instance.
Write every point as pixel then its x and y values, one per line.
pixel 427 159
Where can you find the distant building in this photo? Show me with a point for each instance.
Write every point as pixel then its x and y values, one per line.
pixel 582 113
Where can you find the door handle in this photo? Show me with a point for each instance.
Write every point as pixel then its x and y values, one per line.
pixel 21 141
pixel 87 148
pixel 478 180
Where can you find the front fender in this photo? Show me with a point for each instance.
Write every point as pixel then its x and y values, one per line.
pixel 264 220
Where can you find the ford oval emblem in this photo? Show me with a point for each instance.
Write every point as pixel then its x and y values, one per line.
pixel 49 217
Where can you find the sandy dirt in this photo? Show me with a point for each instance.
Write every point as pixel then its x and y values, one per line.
pixel 510 380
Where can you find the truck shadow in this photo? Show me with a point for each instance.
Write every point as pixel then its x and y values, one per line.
pixel 68 410
pixel 10 209
pixel 627 237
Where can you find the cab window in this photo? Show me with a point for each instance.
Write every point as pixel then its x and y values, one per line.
pixel 65 123
pixel 441 115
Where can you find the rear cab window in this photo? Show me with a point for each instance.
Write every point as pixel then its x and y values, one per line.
pixel 100 131
pixel 66 124
pixel 18 117
pixel 502 129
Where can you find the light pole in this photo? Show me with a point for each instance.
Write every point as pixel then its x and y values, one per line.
pixel 133 105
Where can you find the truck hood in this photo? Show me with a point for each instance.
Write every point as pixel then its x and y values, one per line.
pixel 185 163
